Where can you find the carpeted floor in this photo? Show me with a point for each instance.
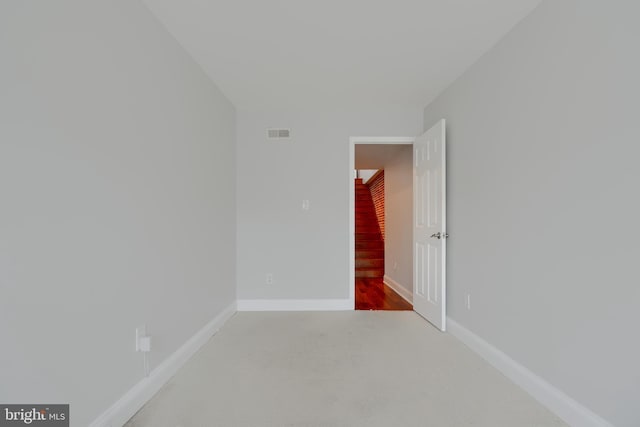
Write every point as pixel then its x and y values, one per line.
pixel 358 368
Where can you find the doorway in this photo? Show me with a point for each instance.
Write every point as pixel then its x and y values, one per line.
pixel 381 221
pixel 428 221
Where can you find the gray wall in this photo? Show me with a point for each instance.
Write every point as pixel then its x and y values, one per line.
pixel 543 200
pixel 307 251
pixel 398 244
pixel 117 199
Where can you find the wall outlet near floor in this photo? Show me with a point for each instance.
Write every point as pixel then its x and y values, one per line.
pixel 306 205
pixel 269 279
pixel 468 302
pixel 143 345
pixel 395 265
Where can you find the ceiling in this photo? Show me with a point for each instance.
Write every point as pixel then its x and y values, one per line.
pixel 376 156
pixel 283 54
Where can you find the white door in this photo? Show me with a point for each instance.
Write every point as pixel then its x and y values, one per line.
pixel 429 225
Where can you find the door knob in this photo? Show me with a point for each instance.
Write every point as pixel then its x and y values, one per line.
pixel 440 235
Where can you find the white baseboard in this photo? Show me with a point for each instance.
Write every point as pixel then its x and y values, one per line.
pixel 131 402
pixel 295 304
pixel 572 412
pixel 400 290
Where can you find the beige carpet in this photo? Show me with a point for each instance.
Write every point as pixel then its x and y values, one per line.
pixel 360 368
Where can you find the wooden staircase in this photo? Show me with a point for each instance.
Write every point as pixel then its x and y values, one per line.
pixel 369 243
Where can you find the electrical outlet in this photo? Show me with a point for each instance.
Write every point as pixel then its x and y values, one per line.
pixel 306 205
pixel 269 279
pixel 145 344
pixel 395 265
pixel 468 302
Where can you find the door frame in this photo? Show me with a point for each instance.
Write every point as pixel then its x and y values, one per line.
pixel 353 141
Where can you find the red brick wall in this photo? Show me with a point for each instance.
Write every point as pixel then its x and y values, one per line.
pixel 376 186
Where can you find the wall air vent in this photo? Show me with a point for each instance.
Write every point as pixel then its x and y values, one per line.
pixel 278 133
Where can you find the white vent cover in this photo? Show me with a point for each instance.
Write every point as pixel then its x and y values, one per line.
pixel 278 133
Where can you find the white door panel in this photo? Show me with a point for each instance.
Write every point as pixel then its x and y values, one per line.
pixel 429 227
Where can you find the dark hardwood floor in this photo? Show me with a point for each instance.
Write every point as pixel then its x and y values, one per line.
pixel 373 294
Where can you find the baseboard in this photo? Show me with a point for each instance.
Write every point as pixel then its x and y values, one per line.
pixel 572 412
pixel 121 411
pixel 400 290
pixel 295 304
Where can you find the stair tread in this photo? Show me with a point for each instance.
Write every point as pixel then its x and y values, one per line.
pixel 369 251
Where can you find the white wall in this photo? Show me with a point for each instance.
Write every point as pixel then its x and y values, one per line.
pixel 398 244
pixel 543 200
pixel 367 174
pixel 118 199
pixel 307 251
